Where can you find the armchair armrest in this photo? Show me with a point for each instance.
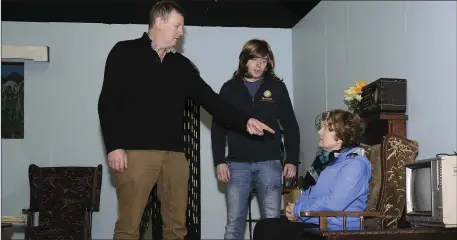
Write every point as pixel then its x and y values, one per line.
pixel 323 225
pixel 28 210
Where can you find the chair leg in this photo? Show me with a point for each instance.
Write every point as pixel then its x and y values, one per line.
pixel 249 215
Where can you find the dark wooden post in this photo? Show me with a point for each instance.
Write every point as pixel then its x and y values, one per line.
pixel 379 125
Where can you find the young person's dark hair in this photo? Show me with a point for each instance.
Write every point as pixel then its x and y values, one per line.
pixel 255 48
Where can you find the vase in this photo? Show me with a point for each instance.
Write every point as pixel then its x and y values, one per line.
pixel 356 111
pixel 355 108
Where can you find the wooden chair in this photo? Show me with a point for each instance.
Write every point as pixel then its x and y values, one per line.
pixel 386 200
pixel 64 198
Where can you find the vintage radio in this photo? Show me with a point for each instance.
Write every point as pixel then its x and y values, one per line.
pixel 385 95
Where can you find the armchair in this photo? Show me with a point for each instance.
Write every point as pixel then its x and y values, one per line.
pixel 386 200
pixel 64 198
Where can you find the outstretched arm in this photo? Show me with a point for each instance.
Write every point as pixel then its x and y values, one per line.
pixel 204 95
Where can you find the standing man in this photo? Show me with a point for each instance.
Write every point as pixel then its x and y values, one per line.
pixel 141 106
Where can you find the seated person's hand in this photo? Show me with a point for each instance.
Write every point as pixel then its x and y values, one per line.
pixel 290 212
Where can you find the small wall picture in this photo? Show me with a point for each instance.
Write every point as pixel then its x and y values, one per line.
pixel 13 100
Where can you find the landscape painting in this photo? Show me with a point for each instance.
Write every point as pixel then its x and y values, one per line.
pixel 13 100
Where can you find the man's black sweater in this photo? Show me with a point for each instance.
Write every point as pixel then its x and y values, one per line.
pixel 141 104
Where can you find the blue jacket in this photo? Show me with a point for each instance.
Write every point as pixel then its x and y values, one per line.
pixel 342 186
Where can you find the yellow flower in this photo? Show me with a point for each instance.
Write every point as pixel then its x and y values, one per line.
pixel 358 97
pixel 354 93
pixel 350 90
pixel 358 89
pixel 361 83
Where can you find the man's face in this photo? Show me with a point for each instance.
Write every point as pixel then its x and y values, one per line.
pixel 171 29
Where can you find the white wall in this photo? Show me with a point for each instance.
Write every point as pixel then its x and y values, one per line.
pixel 61 120
pixel 309 75
pixel 341 42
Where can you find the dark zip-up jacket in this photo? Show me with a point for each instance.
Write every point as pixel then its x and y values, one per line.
pixel 271 105
pixel 141 104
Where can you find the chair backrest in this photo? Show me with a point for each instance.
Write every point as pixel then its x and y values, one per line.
pixel 56 192
pixel 373 154
pixel 387 186
pixel 396 152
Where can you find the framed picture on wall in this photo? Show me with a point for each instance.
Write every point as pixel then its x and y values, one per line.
pixel 13 100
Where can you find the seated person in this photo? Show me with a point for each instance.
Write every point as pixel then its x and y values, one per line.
pixel 338 180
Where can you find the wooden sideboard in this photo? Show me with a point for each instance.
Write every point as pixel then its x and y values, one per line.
pixel 379 125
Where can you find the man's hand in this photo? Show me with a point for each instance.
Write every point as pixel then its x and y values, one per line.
pixel 257 127
pixel 117 160
pixel 223 173
pixel 290 212
pixel 289 171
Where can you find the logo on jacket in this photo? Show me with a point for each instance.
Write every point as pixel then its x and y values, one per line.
pixel 267 96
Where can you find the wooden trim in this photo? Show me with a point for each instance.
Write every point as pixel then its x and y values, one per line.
pixel 386 116
pixel 341 214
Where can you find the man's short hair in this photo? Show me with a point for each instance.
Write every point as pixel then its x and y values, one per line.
pixel 163 9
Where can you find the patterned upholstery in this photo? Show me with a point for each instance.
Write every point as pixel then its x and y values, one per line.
pixel 374 155
pixel 64 198
pixel 387 186
pixel 396 153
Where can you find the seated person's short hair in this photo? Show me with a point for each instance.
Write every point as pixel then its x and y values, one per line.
pixel 348 127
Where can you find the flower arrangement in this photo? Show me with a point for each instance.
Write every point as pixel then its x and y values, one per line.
pixel 353 96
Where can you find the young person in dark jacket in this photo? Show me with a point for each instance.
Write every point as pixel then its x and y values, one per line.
pixel 141 108
pixel 252 160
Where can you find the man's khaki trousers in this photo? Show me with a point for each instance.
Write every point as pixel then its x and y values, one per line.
pixel 146 167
